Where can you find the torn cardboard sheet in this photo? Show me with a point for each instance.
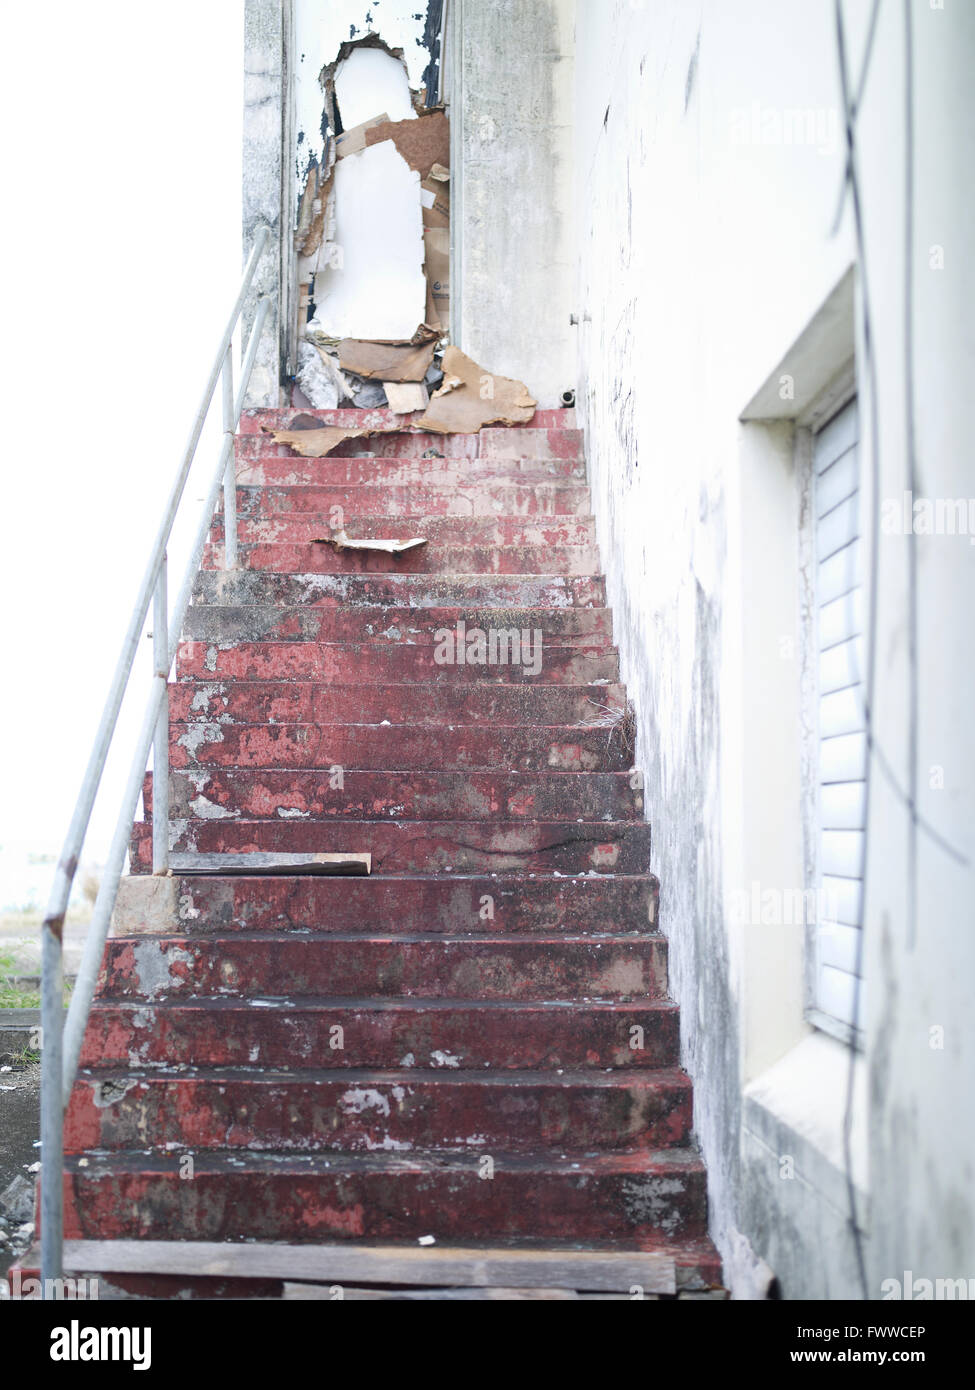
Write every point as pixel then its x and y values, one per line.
pixel 343 542
pixel 423 142
pixel 354 141
pixel 406 399
pixel 471 398
pixel 316 444
pixel 436 240
pixel 384 361
pixel 435 197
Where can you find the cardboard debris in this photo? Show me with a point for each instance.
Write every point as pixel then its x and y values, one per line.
pixel 343 542
pixel 437 265
pixel 435 197
pixel 406 399
pixel 471 398
pixel 423 142
pixel 354 141
pixel 316 444
pixel 384 361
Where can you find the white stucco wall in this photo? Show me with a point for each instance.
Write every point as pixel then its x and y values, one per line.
pixel 705 213
pixel 511 187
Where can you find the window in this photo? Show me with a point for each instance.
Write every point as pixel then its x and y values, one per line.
pixel 841 769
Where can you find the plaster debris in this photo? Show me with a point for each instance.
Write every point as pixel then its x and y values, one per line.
pixel 320 379
pixel 471 398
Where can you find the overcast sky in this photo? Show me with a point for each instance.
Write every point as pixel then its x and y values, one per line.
pixel 121 132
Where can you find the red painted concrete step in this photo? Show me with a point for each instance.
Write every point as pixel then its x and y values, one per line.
pixel 305 527
pixel 424 846
pixel 394 663
pixel 257 967
pixel 495 1035
pixel 415 591
pixel 411 706
pixel 482 498
pixel 325 746
pixel 410 795
pixel 490 905
pixel 256 421
pixel 400 1111
pixel 266 469
pixel 401 626
pixel 304 558
pixel 298 1197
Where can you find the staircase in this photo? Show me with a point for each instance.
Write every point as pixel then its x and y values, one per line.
pixel 475 1043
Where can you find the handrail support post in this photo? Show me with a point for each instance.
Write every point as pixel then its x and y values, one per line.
pixel 230 477
pixel 160 755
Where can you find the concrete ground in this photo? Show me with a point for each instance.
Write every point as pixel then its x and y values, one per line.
pixel 20 1089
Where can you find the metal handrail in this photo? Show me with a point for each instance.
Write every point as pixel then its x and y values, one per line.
pixel 61 1039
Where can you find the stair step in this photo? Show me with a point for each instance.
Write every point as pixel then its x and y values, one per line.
pixel 344 745
pixel 285 557
pixel 232 588
pixel 486 497
pixel 424 846
pixel 417 706
pixel 384 1033
pixel 272 967
pixel 493 905
pixel 400 626
pixel 259 468
pixel 407 795
pixel 366 1111
pixel 254 420
pixel 347 662
pixel 315 1197
pixel 302 528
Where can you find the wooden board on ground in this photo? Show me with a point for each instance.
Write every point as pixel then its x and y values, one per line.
pixel 357 1266
pixel 351 865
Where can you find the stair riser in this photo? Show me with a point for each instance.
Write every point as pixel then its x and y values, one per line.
pixel 304 528
pixel 411 795
pixel 510 1039
pixel 439 706
pixel 286 558
pixel 268 470
pixel 154 967
pixel 399 444
pixel 476 499
pixel 379 1115
pixel 398 1205
pixel 205 906
pixel 425 847
pixel 591 627
pixel 469 592
pixel 354 746
pixel 257 421
pixel 347 663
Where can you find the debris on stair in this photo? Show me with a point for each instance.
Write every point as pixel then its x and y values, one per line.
pixel 343 542
pixel 472 397
pixel 330 865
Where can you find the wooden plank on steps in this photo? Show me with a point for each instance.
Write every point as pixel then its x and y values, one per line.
pixel 336 865
pixel 597 1271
